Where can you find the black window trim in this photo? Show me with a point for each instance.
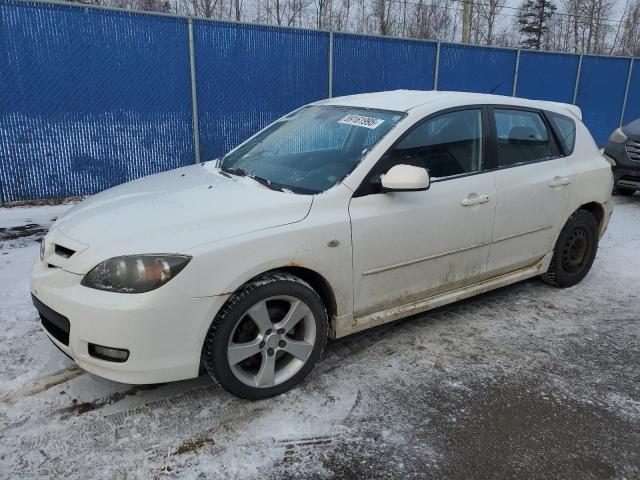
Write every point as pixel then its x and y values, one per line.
pixel 549 115
pixel 367 187
pixel 553 139
pixel 489 138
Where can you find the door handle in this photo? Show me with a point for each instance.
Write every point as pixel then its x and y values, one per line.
pixel 559 182
pixel 474 199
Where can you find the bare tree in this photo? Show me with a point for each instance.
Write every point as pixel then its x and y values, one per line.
pixel 431 21
pixel 578 25
pixel 382 13
pixel 630 36
pixel 489 15
pixel 208 8
pixel 484 26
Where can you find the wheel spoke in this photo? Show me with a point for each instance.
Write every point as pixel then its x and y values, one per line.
pixel 299 349
pixel 238 352
pixel 296 313
pixel 266 375
pixel 260 316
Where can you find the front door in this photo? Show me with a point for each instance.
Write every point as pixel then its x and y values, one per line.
pixel 411 245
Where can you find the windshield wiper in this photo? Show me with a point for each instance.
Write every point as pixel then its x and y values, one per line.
pixel 241 172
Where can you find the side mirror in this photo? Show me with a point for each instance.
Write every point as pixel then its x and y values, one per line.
pixel 405 178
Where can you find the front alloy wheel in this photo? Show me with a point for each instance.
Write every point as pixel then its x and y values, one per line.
pixel 267 337
pixel 272 341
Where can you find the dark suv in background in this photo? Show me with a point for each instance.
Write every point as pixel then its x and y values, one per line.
pixel 624 149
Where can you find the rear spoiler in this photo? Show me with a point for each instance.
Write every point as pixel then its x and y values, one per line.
pixel 572 109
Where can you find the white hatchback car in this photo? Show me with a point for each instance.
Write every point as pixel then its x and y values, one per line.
pixel 342 215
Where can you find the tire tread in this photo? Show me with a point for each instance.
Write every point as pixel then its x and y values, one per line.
pixel 230 305
pixel 551 275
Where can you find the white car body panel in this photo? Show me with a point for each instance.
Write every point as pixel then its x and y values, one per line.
pixel 203 205
pixel 529 213
pixel 419 251
pixel 382 256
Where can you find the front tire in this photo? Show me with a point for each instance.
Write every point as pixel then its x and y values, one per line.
pixel 267 337
pixel 574 252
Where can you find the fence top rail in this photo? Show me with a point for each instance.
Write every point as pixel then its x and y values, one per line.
pixel 302 29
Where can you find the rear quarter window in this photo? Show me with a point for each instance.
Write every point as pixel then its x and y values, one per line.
pixel 565 127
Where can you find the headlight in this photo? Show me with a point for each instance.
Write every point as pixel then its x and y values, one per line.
pixel 618 136
pixel 135 273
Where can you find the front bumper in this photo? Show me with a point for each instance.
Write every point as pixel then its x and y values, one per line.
pixel 626 172
pixel 625 177
pixel 163 330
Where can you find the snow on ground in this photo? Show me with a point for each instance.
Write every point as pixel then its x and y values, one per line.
pixel 525 382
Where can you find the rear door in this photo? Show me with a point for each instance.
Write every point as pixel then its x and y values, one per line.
pixel 533 188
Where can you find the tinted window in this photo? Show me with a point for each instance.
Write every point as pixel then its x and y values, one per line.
pixel 522 137
pixel 446 145
pixel 566 129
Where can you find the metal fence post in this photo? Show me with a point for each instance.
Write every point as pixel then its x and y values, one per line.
pixel 515 74
pixel 437 69
pixel 330 64
pixel 626 92
pixel 575 87
pixel 194 94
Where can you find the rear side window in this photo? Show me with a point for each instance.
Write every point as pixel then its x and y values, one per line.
pixel 522 137
pixel 566 130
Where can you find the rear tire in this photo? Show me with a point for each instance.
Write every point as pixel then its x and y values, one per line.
pixel 267 337
pixel 574 252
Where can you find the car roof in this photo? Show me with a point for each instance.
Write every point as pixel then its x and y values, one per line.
pixel 405 100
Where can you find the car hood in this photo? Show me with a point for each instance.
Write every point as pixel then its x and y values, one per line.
pixel 168 213
pixel 632 130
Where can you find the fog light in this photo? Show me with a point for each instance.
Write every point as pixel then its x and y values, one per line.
pixel 108 353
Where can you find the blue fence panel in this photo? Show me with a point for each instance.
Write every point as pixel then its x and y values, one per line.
pixel 632 111
pixel 476 69
pixel 547 76
pixel 601 90
pixel 247 76
pixel 371 64
pixel 89 98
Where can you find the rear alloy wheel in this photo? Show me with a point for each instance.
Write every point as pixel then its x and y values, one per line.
pixel 267 337
pixel 574 252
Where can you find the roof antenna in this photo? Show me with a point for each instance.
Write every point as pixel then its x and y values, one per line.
pixel 493 90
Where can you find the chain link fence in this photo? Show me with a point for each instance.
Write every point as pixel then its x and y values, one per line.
pixel 92 97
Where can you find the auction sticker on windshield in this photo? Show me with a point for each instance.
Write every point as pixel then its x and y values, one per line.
pixel 360 121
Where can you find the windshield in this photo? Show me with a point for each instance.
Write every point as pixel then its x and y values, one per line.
pixel 311 149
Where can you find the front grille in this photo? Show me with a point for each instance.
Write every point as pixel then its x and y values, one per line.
pixel 633 150
pixel 57 325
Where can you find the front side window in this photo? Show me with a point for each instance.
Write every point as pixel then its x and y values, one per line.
pixel 311 149
pixel 566 130
pixel 522 137
pixel 446 145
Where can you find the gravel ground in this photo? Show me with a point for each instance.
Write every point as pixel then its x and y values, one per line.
pixel 524 382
